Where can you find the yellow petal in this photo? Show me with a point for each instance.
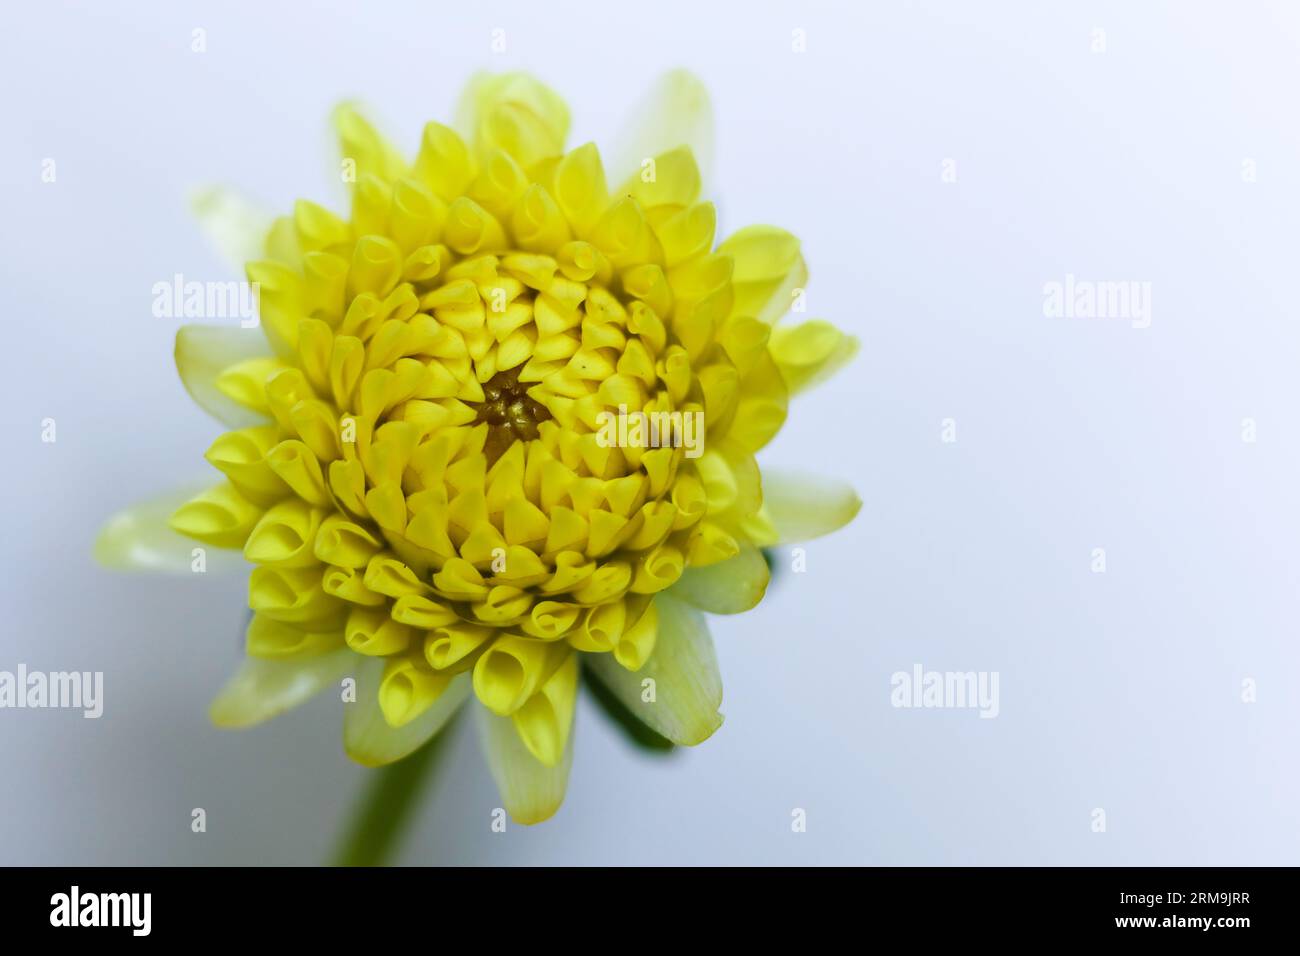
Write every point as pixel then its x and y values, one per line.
pixel 810 352
pixel 297 466
pixel 544 722
pixel 284 535
pixel 580 188
pixel 513 669
pixel 274 640
pixel 727 587
pixel 768 269
pixel 317 228
pixel 279 302
pixel 241 457
pixel 671 179
pixel 444 163
pixel 220 516
pixel 294 595
pixel 658 568
pixel 349 585
pixel 367 736
pixel 392 577
pixel 516 113
pixel 456 646
pixel 370 153
pixel 637 642
pixel 678 691
pixel 408 688
pixel 710 543
pixel 345 544
pixel 687 234
pixel 761 408
pixel 203 353
pixel 530 790
pixel 373 632
pixel 262 689
pixel 601 627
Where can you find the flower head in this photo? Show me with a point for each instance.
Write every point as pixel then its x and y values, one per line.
pixel 501 418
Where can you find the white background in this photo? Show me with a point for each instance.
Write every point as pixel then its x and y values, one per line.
pixel 1119 691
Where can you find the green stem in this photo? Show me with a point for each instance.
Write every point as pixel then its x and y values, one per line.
pixel 386 805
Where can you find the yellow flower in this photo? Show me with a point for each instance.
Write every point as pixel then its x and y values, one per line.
pixel 499 422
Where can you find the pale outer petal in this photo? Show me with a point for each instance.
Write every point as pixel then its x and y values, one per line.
pixel 367 736
pixel 675 112
pixel 203 352
pixel 262 689
pixel 687 688
pixel 531 791
pixel 138 539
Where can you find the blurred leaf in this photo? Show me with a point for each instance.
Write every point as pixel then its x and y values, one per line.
pixel 387 805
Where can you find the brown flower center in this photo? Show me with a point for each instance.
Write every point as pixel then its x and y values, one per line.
pixel 510 413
